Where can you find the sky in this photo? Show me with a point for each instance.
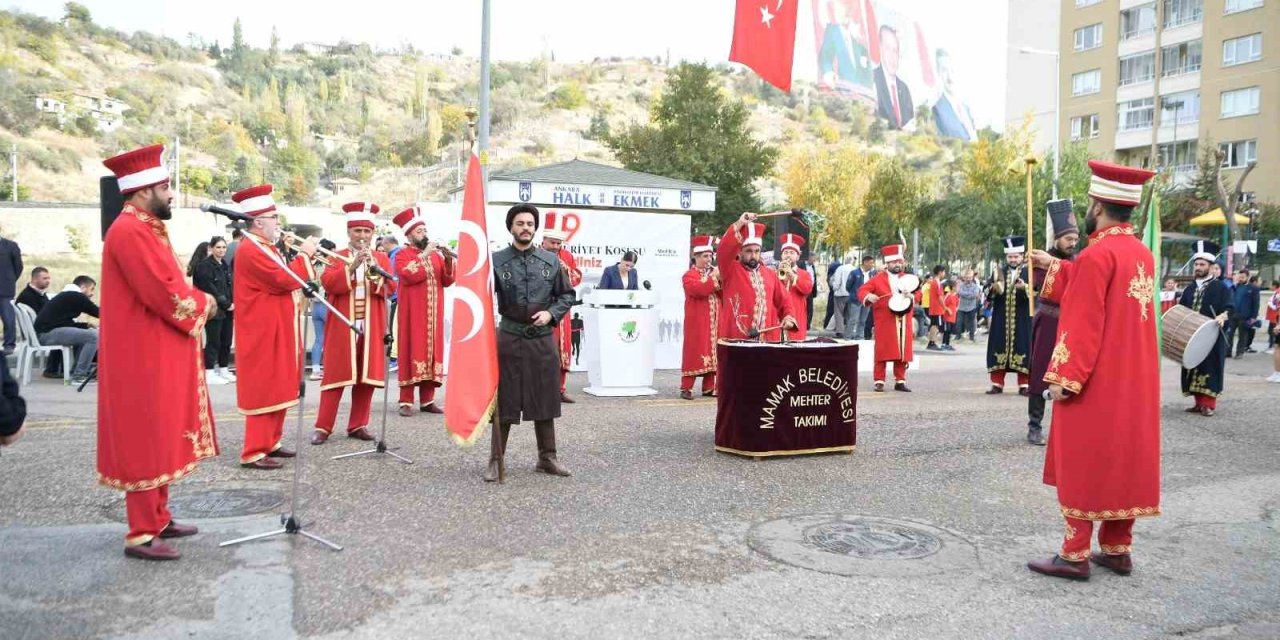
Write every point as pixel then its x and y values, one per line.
pixel 575 30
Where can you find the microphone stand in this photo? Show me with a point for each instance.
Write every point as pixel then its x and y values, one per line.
pixel 291 522
pixel 381 445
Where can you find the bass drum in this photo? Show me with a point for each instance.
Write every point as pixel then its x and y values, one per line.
pixel 1188 336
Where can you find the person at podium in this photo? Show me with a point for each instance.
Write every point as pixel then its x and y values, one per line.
pixel 754 303
pixel 622 275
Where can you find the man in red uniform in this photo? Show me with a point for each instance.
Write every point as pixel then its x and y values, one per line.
pixel 360 292
pixel 1104 377
pixel 268 334
pixel 701 315
pixel 155 422
pixel 424 272
pixel 553 241
pixel 797 282
pixel 893 332
pixel 753 301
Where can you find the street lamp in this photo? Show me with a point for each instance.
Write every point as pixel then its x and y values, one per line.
pixel 1057 107
pixel 1165 103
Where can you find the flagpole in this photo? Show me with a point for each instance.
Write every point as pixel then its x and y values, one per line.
pixel 1031 272
pixel 484 91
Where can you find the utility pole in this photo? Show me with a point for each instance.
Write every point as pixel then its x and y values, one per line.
pixel 177 165
pixel 13 163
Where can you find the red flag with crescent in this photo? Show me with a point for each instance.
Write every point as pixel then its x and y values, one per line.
pixel 471 394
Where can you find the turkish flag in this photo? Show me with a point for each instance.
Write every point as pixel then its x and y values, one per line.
pixel 471 395
pixel 764 38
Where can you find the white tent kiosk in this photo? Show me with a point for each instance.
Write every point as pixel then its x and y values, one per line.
pixel 606 211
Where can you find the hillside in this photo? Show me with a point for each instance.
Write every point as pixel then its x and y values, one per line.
pixel 304 117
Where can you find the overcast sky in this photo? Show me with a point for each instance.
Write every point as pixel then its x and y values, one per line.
pixel 576 30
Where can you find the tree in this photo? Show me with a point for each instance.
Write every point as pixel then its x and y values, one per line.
pixel 568 96
pixel 273 54
pixel 893 203
pixel 833 182
pixel 238 46
pixel 77 15
pixel 695 132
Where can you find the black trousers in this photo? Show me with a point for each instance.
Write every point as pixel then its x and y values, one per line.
pixel 1035 411
pixel 217 341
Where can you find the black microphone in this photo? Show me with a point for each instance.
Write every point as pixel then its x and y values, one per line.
pixel 647 286
pixel 222 211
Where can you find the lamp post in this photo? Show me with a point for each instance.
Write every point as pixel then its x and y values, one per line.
pixel 1175 105
pixel 1057 107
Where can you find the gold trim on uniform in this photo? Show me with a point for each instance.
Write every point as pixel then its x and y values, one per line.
pixel 272 409
pixel 1142 288
pixel 1051 275
pixel 1075 557
pixel 798 452
pixel 1109 514
pixel 183 308
pixel 1061 355
pixel 1117 549
pixel 1070 385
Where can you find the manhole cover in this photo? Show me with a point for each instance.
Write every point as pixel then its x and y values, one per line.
pixel 870 539
pixel 861 545
pixel 221 502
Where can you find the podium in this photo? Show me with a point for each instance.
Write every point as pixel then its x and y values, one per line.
pixel 621 333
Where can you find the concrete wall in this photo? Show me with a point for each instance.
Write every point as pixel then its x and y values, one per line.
pixel 1032 23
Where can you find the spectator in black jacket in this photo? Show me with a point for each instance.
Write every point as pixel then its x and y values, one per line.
pixel 212 275
pixel 10 268
pixel 56 324
pixel 13 409
pixel 36 295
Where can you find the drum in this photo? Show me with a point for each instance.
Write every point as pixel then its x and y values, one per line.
pixel 1188 336
pixel 901 303
pixel 908 283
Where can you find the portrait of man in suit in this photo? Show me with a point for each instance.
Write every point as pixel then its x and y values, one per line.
pixel 951 114
pixel 843 58
pixel 893 98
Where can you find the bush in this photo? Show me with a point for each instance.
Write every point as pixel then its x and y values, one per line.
pixel 78 238
pixel 569 95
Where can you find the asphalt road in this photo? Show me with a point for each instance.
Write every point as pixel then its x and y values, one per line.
pixel 656 535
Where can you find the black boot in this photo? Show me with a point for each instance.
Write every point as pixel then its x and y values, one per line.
pixel 497 452
pixel 1035 413
pixel 545 432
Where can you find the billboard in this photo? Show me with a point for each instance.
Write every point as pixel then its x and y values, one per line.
pixel 875 53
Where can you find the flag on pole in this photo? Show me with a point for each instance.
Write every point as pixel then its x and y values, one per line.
pixel 1151 238
pixel 764 38
pixel 471 396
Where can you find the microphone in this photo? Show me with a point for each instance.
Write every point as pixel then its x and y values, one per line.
pixel 223 211
pixel 647 286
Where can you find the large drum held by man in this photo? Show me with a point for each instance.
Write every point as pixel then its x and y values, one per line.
pixel 1188 336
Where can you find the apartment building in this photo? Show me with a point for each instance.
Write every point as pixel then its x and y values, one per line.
pixel 1212 68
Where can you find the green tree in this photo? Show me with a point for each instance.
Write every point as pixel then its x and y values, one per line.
pixel 832 181
pixel 298 170
pixel 77 15
pixel 569 95
pixel 894 201
pixel 238 45
pixel 273 53
pixel 695 132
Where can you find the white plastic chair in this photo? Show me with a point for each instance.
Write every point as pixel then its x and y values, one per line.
pixel 31 347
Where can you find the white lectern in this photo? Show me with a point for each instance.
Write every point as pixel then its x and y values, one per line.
pixel 621 330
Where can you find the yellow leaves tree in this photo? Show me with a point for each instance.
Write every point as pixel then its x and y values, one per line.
pixel 992 163
pixel 834 182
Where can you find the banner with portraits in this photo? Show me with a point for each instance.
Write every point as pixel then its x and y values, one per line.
pixel 874 53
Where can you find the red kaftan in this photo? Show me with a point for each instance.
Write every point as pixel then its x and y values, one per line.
pixel 750 298
pixel 1104 448
pixel 154 418
pixel 701 314
pixel 420 313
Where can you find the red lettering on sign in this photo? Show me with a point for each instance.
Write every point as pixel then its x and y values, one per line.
pixel 568 222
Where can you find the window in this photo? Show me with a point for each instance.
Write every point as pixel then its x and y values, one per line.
pixel 1232 6
pixel 1179 155
pixel 1181 58
pixel 1184 106
pixel 1136 115
pixel 1180 12
pixel 1089 37
pixel 1138 21
pixel 1239 154
pixel 1089 3
pixel 1241 102
pixel 1242 50
pixel 1139 68
pixel 1086 82
pixel 1084 127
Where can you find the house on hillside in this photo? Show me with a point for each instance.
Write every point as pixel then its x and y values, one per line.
pixel 315 48
pixel 343 185
pixel 54 106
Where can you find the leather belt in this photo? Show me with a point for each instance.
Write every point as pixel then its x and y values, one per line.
pixel 523 329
